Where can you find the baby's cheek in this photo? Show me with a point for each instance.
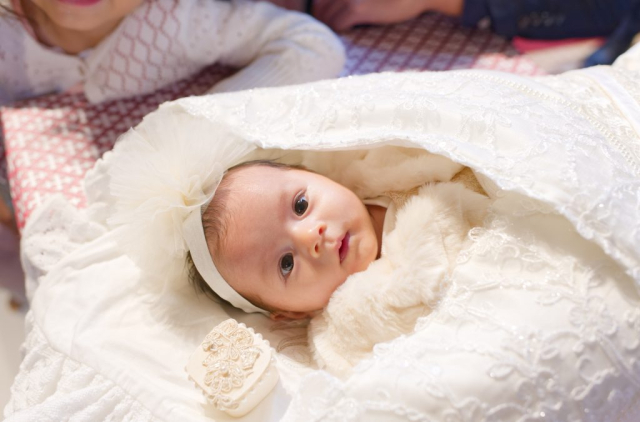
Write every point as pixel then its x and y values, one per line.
pixel 369 252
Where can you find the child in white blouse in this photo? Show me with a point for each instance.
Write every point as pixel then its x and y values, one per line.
pixel 119 48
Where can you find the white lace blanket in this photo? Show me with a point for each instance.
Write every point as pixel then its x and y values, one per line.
pixel 542 320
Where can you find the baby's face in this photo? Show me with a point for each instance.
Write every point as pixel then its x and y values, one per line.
pixel 293 237
pixel 86 15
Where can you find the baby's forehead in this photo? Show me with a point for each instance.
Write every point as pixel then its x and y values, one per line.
pixel 253 216
pixel 255 175
pixel 254 196
pixel 264 180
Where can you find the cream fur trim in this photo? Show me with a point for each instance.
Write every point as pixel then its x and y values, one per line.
pixel 385 301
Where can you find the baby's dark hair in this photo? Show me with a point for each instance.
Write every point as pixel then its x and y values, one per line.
pixel 215 221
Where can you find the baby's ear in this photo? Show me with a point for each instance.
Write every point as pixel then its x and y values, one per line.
pixel 289 315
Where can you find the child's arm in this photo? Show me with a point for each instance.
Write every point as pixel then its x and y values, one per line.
pixel 277 47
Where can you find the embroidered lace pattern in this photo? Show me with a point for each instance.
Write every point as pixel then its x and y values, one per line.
pixel 568 120
pixel 231 357
pixel 46 376
pixel 569 352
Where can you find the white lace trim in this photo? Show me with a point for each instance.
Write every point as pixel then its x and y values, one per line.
pixel 53 384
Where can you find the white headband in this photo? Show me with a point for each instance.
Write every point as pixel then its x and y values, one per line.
pixel 162 174
pixel 194 237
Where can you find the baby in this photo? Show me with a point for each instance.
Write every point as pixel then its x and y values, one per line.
pixel 286 239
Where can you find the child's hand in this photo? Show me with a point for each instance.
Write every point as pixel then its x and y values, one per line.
pixel 343 14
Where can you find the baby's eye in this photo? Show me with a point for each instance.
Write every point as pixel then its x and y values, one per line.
pixel 286 264
pixel 301 204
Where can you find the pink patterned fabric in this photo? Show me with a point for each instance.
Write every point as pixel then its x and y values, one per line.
pixel 51 141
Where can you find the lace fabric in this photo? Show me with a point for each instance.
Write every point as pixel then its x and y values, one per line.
pixel 54 384
pixel 575 355
pixel 506 127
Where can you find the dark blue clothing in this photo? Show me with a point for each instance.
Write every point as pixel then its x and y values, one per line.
pixel 552 19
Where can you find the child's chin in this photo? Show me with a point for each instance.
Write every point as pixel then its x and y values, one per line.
pixel 77 24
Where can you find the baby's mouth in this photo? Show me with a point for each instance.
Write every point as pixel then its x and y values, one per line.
pixel 344 247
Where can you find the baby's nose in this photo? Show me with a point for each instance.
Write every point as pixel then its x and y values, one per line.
pixel 312 238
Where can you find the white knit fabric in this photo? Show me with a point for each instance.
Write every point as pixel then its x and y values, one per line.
pixel 166 40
